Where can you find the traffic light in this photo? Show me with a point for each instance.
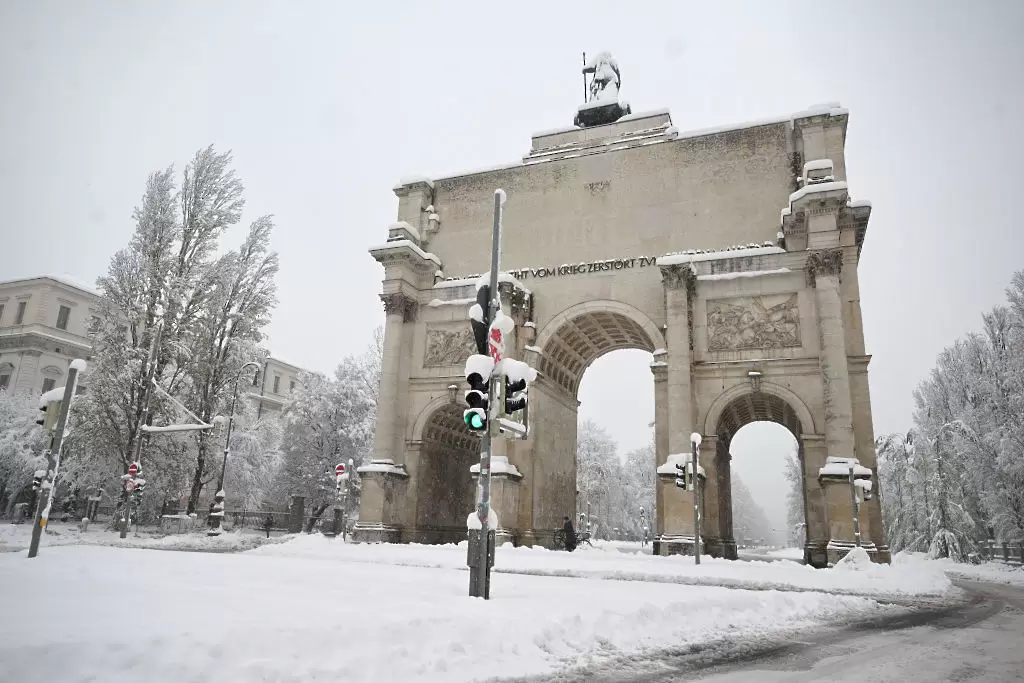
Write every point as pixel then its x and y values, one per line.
pixel 37 479
pixel 140 486
pixel 51 411
pixel 515 395
pixel 478 376
pixel 480 318
pixel 682 478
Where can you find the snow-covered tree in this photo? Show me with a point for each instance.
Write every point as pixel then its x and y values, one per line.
pixel 329 421
pixel 958 476
pixel 239 296
pixel 211 311
pixel 22 443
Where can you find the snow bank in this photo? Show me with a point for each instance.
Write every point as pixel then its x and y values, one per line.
pixel 876 581
pixel 262 617
pixel 994 572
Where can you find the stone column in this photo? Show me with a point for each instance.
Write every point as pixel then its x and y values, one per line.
pixel 823 272
pixel 675 506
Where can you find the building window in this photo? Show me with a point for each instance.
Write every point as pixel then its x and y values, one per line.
pixel 48 383
pixel 62 317
pixel 20 317
pixel 1 313
pixel 79 390
pixel 291 386
pixel 5 381
pixel 277 383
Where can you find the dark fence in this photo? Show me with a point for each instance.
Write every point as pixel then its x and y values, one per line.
pixel 1008 553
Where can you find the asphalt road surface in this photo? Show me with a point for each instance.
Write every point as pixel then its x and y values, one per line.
pixel 979 638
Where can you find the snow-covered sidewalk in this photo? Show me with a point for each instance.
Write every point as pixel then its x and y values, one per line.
pixel 16 537
pixel 315 609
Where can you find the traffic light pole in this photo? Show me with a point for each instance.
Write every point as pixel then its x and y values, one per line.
pixel 480 579
pixel 53 459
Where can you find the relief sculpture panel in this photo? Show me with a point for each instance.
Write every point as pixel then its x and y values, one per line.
pixel 446 347
pixel 757 322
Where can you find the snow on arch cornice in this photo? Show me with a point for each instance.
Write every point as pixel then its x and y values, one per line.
pixel 739 251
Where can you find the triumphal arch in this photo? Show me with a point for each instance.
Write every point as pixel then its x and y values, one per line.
pixel 729 254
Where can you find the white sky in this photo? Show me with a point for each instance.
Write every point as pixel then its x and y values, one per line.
pixel 327 104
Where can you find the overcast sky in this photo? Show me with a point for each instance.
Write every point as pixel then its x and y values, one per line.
pixel 327 104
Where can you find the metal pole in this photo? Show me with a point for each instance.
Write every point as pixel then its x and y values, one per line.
pixel 694 460
pixel 42 515
pixel 483 505
pixel 855 507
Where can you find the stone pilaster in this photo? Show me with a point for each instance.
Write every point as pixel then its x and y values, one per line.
pixel 715 470
pixel 823 272
pixel 399 309
pixel 813 455
pixel 27 380
pixel 680 288
pixel 660 371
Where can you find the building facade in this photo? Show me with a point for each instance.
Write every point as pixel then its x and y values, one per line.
pixel 45 323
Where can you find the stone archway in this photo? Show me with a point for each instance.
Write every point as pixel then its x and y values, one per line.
pixel 445 486
pixel 736 409
pixel 731 255
pixel 566 347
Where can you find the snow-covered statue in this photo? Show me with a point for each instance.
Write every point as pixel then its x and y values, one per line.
pixel 607 79
pixel 602 93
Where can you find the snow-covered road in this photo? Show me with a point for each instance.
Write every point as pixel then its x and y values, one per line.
pixel 311 609
pixel 977 639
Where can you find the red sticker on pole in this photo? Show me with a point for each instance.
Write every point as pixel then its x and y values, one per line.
pixel 133 469
pixel 340 469
pixel 501 326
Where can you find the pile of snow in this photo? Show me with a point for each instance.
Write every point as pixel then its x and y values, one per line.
pixel 857 560
pixel 993 572
pixel 260 617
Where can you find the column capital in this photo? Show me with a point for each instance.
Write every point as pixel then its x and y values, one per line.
pixel 400 304
pixel 660 371
pixel 823 263
pixel 679 276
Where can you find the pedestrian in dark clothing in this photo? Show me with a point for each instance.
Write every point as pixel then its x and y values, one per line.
pixel 570 535
pixel 268 524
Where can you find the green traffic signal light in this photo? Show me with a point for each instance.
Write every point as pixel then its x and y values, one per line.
pixel 474 419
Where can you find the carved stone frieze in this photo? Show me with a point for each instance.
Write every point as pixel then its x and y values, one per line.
pixel 398 303
pixel 447 347
pixel 819 263
pixel 759 322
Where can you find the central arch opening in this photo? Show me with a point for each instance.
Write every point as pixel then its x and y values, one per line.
pixel 764 430
pixel 607 466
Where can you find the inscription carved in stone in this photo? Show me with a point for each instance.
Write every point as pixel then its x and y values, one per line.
pixel 759 322
pixel 445 348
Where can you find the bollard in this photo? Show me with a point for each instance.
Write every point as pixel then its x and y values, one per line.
pixel 83 526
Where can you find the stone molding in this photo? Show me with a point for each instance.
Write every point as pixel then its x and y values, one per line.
pixel 824 263
pixel 678 276
pixel 399 303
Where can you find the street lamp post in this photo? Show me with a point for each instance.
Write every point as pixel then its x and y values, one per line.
pixel 217 508
pixel 695 440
